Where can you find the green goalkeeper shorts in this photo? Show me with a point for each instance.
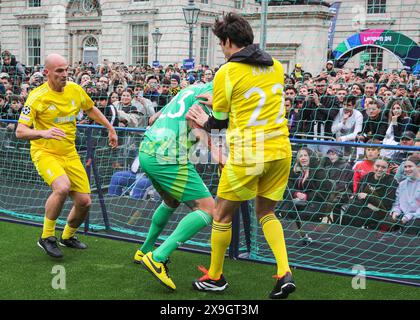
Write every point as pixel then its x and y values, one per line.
pixel 180 181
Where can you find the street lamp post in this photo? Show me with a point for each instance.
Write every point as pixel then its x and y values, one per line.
pixel 264 13
pixel 191 13
pixel 157 35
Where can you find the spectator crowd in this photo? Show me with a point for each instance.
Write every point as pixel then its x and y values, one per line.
pixel 370 187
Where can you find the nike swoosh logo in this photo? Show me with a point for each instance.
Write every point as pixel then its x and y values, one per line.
pixel 158 270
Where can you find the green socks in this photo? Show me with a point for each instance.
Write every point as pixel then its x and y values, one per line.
pixel 186 229
pixel 159 220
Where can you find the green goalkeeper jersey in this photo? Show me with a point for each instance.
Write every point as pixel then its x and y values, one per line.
pixel 170 138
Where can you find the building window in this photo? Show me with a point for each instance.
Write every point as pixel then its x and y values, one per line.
pixel 34 3
pixel 239 4
pixel 376 57
pixel 140 44
pixel 90 50
pixel 376 6
pixel 205 1
pixel 33 42
pixel 204 45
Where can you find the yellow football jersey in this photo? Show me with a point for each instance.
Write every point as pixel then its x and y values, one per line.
pixel 45 108
pixel 253 97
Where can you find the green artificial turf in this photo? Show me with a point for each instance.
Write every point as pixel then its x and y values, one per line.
pixel 106 271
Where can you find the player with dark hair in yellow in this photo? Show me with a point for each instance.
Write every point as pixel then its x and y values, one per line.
pixel 48 120
pixel 248 94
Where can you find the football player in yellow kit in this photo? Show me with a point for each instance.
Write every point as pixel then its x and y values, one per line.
pixel 48 120
pixel 248 95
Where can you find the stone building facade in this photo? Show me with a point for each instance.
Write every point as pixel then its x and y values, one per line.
pixel 121 30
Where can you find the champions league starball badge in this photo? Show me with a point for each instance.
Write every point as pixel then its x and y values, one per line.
pixel 26 110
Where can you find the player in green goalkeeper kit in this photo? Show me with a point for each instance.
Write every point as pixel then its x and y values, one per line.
pixel 164 158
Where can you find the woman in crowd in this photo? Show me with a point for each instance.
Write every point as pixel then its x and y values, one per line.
pixel 113 98
pixel 406 208
pixel 398 121
pixel 308 188
pixel 128 113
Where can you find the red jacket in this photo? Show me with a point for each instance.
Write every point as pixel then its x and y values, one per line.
pixel 361 169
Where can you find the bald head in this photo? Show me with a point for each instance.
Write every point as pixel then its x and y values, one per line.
pixel 53 60
pixel 56 69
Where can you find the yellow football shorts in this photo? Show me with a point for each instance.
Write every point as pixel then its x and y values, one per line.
pixel 268 180
pixel 51 166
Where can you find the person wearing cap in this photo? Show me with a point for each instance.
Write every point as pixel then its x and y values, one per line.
pixel 4 75
pixel 191 78
pixel 408 140
pixel 297 73
pixel 2 86
pixel 4 82
pixel 340 173
pixel 175 84
pixel 294 117
pixel 36 80
pixel 165 95
pixel 330 69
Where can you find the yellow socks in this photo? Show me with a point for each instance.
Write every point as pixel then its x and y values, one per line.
pixel 68 232
pixel 273 232
pixel 48 228
pixel 221 235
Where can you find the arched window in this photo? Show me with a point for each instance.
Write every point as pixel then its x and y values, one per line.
pixel 90 42
pixel 90 50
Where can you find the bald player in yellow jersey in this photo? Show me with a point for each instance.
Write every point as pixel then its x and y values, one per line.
pixel 248 96
pixel 48 120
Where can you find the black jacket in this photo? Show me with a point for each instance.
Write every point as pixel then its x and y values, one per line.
pixel 316 186
pixel 403 124
pixel 14 69
pixel 381 193
pixel 319 120
pixel 252 54
pixel 340 174
pixel 374 127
